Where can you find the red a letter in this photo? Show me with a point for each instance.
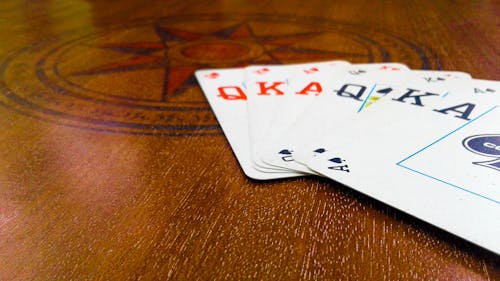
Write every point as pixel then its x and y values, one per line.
pixel 239 95
pixel 313 87
pixel 264 90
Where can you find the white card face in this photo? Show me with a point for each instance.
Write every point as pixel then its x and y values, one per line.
pixel 420 85
pixel 267 88
pixel 437 162
pixel 440 81
pixel 225 93
pixel 443 81
pixel 266 85
pixel 474 150
pixel 421 82
pixel 303 88
pixel 342 96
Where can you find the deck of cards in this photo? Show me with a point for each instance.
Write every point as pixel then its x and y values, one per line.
pixel 425 142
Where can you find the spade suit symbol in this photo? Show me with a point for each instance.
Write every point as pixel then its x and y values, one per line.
pixel 286 152
pixel 320 150
pixel 336 160
pixel 384 91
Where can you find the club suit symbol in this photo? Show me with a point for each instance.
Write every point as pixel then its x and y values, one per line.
pixel 485 145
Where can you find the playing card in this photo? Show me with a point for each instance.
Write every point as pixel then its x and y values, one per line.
pixel 341 96
pixel 267 91
pixel 416 83
pixel 434 157
pixel 225 93
pixel 303 87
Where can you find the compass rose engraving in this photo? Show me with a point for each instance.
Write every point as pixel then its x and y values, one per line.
pixel 137 78
pixel 179 53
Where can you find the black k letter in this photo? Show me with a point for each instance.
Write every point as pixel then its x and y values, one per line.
pixel 416 98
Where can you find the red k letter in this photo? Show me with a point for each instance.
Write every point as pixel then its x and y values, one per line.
pixel 313 87
pixel 265 90
pixel 236 93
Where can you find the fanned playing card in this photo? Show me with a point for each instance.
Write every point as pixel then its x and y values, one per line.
pixel 267 88
pixel 435 157
pixel 425 142
pixel 226 95
pixel 413 83
pixel 342 95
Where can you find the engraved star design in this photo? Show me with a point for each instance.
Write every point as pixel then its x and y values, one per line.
pixel 166 54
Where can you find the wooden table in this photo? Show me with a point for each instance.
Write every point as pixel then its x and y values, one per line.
pixel 113 167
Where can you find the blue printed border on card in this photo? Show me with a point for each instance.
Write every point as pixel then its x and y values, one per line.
pixel 401 163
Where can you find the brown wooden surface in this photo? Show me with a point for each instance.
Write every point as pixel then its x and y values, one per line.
pixel 94 186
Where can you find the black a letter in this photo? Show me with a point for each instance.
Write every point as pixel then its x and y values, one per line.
pixel 464 114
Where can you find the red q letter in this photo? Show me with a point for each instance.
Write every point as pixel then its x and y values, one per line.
pixel 231 93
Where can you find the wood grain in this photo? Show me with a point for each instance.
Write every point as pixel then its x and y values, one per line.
pixel 93 187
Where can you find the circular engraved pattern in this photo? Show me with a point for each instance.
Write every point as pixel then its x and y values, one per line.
pixel 137 78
